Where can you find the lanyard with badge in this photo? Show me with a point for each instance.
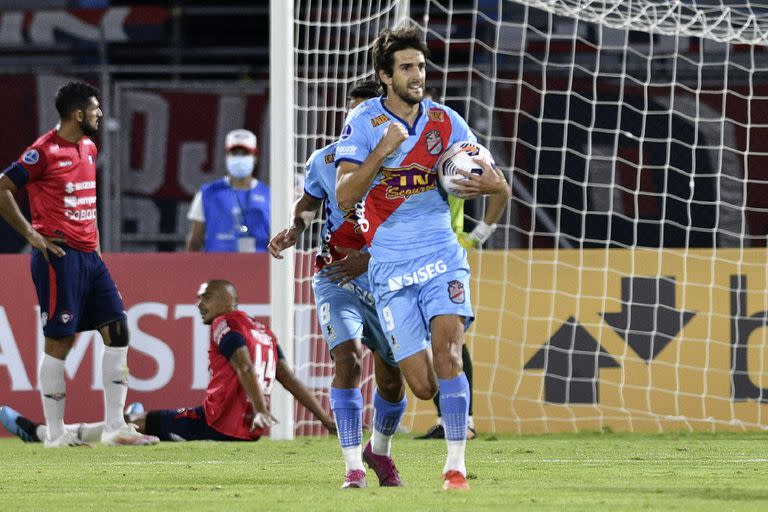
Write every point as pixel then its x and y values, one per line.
pixel 246 242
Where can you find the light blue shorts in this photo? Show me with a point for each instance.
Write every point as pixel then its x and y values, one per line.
pixel 347 313
pixel 408 294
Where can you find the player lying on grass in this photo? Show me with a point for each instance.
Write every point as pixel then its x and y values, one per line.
pixel 244 360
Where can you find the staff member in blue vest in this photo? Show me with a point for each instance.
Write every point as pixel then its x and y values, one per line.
pixel 231 214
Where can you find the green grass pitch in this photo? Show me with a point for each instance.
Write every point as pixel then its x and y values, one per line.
pixel 587 471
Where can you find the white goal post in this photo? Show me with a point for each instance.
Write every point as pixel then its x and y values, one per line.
pixel 282 149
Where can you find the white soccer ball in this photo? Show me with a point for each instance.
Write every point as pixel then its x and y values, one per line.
pixel 460 155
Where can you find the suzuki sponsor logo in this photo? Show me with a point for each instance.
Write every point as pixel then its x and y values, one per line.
pixel 80 185
pixel 421 275
pixel 85 185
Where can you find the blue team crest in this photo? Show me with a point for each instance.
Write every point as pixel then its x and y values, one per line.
pixel 346 132
pixel 31 157
pixel 434 142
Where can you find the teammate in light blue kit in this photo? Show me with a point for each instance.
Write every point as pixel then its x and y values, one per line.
pixel 418 271
pixel 347 316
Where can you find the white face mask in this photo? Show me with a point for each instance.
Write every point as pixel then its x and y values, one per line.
pixel 240 166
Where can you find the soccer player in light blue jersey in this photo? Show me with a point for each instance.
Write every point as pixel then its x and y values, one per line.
pixel 419 273
pixel 348 317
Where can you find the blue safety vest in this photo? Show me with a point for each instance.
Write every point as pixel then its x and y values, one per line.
pixel 227 209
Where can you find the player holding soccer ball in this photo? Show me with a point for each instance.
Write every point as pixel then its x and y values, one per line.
pixel 418 271
pixel 348 319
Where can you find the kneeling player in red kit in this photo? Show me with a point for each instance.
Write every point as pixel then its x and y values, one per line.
pixel 244 360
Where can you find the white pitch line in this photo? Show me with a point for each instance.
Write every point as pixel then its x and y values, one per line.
pixel 604 461
pixel 513 460
pixel 162 463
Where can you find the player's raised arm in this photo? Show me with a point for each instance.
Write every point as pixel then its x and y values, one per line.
pixel 246 374
pixel 353 180
pixel 304 210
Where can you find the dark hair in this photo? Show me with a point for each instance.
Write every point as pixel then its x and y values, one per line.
pixel 366 90
pixel 391 41
pixel 74 96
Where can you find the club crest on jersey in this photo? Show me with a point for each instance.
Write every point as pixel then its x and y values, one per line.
pixel 456 292
pixel 434 142
pixel 407 181
pixel 31 157
pixel 329 158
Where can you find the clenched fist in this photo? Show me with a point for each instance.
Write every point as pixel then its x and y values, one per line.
pixel 394 135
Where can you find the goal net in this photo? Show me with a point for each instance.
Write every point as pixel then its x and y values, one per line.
pixel 625 286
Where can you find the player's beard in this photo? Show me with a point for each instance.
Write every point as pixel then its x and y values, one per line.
pixel 88 129
pixel 404 93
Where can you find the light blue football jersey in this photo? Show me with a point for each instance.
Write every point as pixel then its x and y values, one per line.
pixel 404 215
pixel 340 228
